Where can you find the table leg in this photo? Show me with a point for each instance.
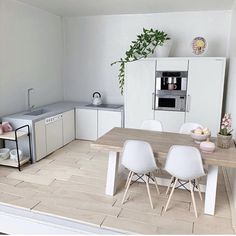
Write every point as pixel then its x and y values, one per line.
pixel 211 186
pixel 112 173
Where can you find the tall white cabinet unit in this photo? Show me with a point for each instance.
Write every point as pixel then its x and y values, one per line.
pixel 205 92
pixel 205 85
pixel 139 92
pixel 171 121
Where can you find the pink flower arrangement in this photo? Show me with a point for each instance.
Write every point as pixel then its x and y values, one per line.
pixel 225 128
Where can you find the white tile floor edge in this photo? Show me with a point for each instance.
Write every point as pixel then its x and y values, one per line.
pixel 230 197
pixel 16 220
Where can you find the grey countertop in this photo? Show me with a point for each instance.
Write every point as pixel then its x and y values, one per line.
pixel 57 108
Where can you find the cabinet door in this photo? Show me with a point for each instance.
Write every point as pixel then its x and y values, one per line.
pixel 86 124
pixel 107 120
pixel 68 126
pixel 139 92
pixel 205 92
pixel 171 120
pixel 54 136
pixel 170 64
pixel 40 140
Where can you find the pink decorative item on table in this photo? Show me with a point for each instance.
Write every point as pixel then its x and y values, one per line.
pixel 6 127
pixel 207 146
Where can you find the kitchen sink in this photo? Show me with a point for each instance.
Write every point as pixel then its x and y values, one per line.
pixel 112 106
pixel 37 112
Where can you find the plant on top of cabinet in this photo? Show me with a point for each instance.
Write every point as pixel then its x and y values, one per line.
pixel 144 45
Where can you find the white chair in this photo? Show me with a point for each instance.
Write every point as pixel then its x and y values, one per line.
pixel 153 125
pixel 187 127
pixel 138 158
pixel 184 163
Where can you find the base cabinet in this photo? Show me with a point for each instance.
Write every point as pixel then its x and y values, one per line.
pixel 92 124
pixel 86 124
pixel 171 120
pixel 107 120
pixel 40 140
pixel 54 136
pixel 68 126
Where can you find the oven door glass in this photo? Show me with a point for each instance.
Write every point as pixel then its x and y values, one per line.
pixel 166 102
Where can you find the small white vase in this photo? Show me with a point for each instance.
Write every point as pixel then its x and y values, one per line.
pixel 164 50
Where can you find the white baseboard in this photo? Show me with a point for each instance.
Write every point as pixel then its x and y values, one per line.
pixel 16 220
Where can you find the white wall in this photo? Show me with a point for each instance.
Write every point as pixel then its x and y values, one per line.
pixel 30 56
pixel 92 43
pixel 231 95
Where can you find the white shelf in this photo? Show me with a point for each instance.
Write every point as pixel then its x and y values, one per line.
pixel 11 135
pixel 13 163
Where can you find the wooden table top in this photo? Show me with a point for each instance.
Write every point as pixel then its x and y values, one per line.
pixel 161 143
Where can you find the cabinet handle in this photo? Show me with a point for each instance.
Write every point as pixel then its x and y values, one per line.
pixel 188 103
pixel 153 94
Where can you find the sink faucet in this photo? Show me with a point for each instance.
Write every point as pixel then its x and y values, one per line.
pixel 29 102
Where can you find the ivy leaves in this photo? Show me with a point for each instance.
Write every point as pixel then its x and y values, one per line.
pixel 144 45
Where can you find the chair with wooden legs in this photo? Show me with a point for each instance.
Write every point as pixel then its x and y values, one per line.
pixel 184 163
pixel 186 128
pixel 138 158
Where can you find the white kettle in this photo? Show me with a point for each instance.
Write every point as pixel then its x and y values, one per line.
pixel 97 99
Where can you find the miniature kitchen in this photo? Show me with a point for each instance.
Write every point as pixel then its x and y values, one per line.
pixel 140 145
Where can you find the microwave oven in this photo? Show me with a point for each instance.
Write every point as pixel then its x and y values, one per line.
pixel 170 102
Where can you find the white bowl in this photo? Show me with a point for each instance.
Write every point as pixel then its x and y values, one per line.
pixel 4 153
pixel 13 155
pixel 198 138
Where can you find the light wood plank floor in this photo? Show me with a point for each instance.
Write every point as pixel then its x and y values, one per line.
pixel 71 182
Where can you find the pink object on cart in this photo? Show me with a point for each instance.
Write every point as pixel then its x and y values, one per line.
pixel 6 127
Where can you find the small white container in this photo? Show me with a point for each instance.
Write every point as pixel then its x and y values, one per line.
pixel 13 155
pixel 4 153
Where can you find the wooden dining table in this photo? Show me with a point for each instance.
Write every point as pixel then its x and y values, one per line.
pixel 114 140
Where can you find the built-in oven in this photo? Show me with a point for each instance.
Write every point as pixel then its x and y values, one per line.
pixel 170 102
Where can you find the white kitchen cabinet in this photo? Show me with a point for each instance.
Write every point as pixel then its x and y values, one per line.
pixel 40 140
pixel 172 64
pixel 107 120
pixel 171 120
pixel 139 92
pixel 205 92
pixel 68 126
pixel 86 124
pixel 93 123
pixel 54 135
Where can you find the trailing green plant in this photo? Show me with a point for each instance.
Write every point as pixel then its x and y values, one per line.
pixel 144 45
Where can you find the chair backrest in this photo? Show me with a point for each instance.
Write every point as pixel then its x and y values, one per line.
pixel 187 127
pixel 153 125
pixel 138 157
pixel 184 162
